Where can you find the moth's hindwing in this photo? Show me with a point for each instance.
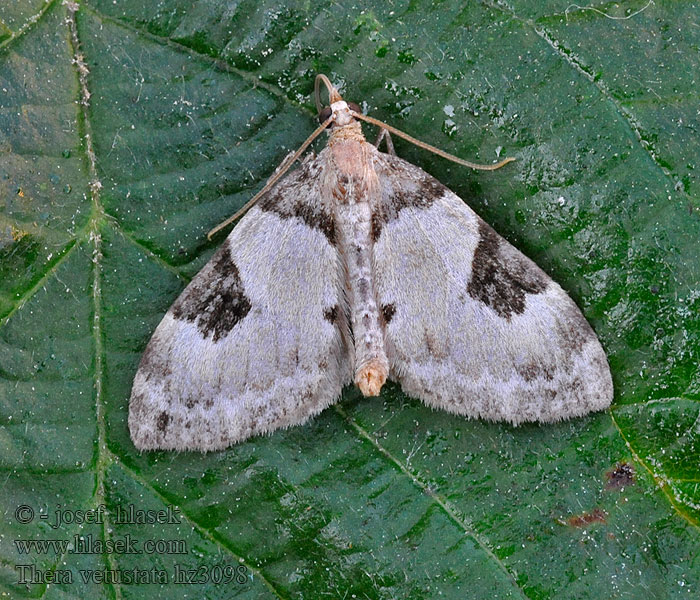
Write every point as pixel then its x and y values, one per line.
pixel 258 340
pixel 472 325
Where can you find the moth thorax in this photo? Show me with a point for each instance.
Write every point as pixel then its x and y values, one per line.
pixel 351 131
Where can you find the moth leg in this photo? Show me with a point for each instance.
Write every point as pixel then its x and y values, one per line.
pixel 384 134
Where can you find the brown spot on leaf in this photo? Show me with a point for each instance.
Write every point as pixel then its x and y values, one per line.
pixel 621 476
pixel 595 516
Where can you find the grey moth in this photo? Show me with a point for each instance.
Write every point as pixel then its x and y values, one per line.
pixel 360 267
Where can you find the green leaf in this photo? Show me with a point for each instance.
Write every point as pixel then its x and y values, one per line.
pixel 129 128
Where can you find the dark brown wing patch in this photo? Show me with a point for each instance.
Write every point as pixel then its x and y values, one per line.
pixel 417 189
pixel 502 278
pixel 215 299
pixel 291 198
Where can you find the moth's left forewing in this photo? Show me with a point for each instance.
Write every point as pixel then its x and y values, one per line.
pixel 258 340
pixel 472 325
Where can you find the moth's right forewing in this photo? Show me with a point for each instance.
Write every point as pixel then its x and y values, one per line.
pixel 259 338
pixel 472 325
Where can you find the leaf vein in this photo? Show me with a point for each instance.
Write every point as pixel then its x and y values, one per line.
pixel 567 56
pixel 439 500
pixel 27 26
pixel 203 531
pixel 661 480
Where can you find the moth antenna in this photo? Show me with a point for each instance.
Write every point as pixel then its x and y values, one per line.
pixel 281 170
pixel 333 95
pixel 430 148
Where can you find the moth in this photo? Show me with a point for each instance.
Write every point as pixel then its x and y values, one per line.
pixel 359 266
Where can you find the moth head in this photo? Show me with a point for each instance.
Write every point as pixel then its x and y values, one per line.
pixel 341 111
